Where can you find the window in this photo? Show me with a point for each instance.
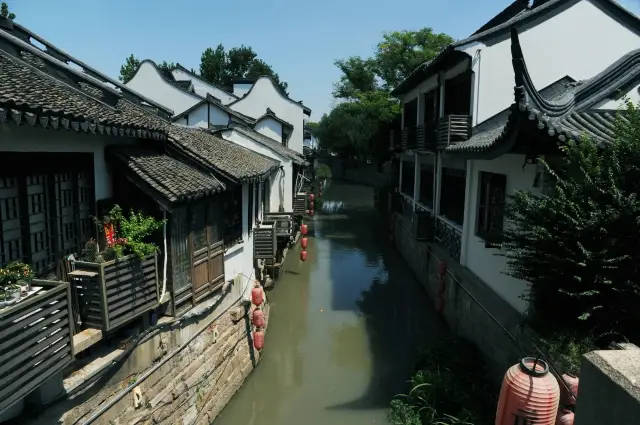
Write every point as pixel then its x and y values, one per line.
pixel 491 202
pixel 266 195
pixel 452 194
pixel 411 113
pixel 285 138
pixel 408 178
pixel 232 215
pixel 250 207
pixel 457 95
pixel 430 106
pixel 426 185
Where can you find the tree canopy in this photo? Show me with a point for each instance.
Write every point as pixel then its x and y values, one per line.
pixel 577 242
pixel 358 126
pixel 4 12
pixel 221 67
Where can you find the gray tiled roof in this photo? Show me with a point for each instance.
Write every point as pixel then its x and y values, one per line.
pixel 52 97
pixel 568 113
pixel 272 144
pixel 529 15
pixel 172 179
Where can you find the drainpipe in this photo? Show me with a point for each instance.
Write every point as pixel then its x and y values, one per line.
pixel 164 241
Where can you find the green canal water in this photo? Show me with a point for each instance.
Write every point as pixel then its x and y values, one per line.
pixel 346 326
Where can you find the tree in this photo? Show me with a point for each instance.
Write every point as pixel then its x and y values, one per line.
pixel 358 75
pixel 167 66
pixel 4 12
pixel 577 242
pixel 221 67
pixel 128 70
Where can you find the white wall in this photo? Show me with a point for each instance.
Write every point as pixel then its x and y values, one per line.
pixel 270 128
pixel 281 179
pixel 149 83
pixel 239 258
pixel 39 140
pixel 265 95
pixel 632 95
pixel 484 262
pixel 576 42
pixel 202 87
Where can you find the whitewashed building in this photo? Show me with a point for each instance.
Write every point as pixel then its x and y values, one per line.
pixel 465 142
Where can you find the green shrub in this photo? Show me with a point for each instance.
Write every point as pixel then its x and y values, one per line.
pixel 323 171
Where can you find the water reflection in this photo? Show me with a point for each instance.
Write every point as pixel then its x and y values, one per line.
pixel 344 329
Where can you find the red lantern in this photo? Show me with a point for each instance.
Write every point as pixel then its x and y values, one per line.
pixel 529 394
pixel 257 295
pixel 439 304
pixel 304 229
pixel 312 205
pixel 258 340
pixel 442 286
pixel 565 417
pixel 311 213
pixel 312 197
pixel 566 399
pixel 303 255
pixel 442 268
pixel 258 318
pixel 304 242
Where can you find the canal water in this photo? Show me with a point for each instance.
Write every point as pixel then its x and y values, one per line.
pixel 346 326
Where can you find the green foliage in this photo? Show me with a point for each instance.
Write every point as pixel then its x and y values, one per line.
pixel 566 350
pixel 323 171
pixel 131 233
pixel 4 12
pixel 358 125
pixel 450 388
pixel 576 243
pixel 128 70
pixel 220 67
pixel 14 272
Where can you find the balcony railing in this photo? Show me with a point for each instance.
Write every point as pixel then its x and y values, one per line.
pixel 453 129
pixel 448 237
pixel 409 137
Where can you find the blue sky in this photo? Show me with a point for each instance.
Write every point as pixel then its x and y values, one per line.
pixel 300 39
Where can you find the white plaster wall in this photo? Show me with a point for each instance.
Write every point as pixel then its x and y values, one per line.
pixel 632 95
pixel 270 128
pixel 484 262
pixel 198 117
pixel 240 90
pixel 202 87
pixel 265 95
pixel 149 83
pixel 28 139
pixel 576 42
pixel 239 258
pixel 218 116
pixel 284 179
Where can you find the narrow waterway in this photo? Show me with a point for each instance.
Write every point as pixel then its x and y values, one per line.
pixel 346 326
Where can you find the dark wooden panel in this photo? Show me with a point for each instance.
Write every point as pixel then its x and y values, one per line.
pixel 282 223
pixel 264 243
pixel 35 341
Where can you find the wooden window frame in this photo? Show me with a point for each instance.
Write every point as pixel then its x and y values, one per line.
pixel 492 188
pixel 232 216
pixel 410 107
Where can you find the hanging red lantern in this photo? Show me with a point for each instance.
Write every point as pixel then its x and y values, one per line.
pixel 303 255
pixel 442 286
pixel 529 394
pixel 566 399
pixel 304 229
pixel 311 213
pixel 312 197
pixel 442 268
pixel 304 242
pixel 439 304
pixel 257 318
pixel 565 417
pixel 258 339
pixel 257 294
pixel 312 205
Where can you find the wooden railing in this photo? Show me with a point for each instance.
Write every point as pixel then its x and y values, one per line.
pixel 394 139
pixel 281 222
pixel 300 204
pixel 409 137
pixel 35 340
pixel 453 129
pixel 449 237
pixel 264 243
pixel 113 293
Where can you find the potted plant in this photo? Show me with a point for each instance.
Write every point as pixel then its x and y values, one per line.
pixel 13 277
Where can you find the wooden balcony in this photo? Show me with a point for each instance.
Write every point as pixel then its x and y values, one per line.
pixel 35 340
pixel 281 222
pixel 300 204
pixel 264 243
pixel 409 138
pixel 427 137
pixel 395 137
pixel 449 237
pixel 113 293
pixel 453 129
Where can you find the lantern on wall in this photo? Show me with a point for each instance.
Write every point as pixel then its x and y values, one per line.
pixel 566 398
pixel 257 294
pixel 258 339
pixel 303 255
pixel 304 242
pixel 312 197
pixel 304 229
pixel 529 394
pixel 312 205
pixel 311 213
pixel 565 417
pixel 257 318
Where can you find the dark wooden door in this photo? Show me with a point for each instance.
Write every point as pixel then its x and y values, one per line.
pixel 207 255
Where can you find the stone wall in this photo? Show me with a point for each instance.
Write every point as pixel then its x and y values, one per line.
pixel 462 313
pixel 192 387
